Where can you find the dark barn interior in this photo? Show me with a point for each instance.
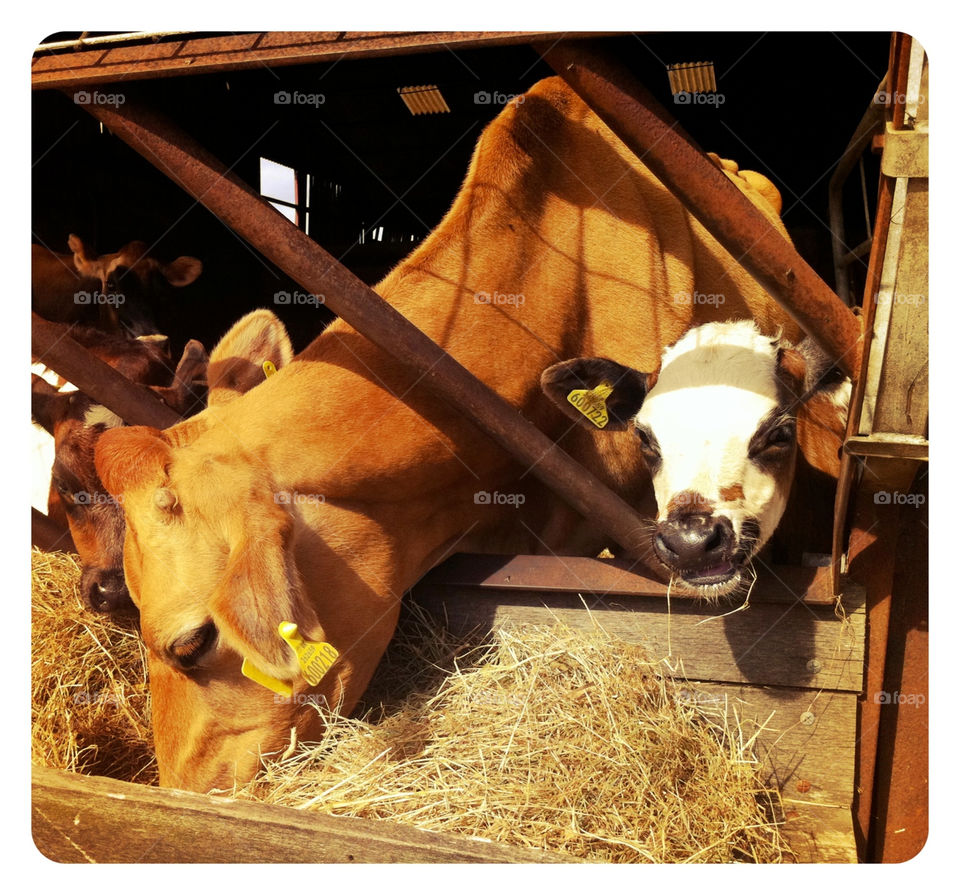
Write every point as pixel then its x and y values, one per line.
pixel 381 178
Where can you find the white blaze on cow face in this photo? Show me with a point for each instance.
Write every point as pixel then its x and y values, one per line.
pixel 717 390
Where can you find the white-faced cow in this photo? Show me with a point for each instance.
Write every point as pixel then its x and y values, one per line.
pixel 115 291
pixel 323 494
pixel 76 423
pixel 717 426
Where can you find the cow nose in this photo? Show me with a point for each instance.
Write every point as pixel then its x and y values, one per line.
pixel 693 542
pixel 105 591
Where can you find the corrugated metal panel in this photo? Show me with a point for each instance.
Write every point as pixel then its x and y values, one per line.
pixel 423 100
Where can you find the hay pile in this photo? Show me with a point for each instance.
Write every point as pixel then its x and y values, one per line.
pixel 541 737
pixel 90 699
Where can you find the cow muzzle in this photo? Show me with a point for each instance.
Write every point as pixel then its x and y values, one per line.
pixel 700 548
pixel 104 590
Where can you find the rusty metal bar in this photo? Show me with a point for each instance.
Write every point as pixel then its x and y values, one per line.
pixel 134 404
pixel 198 172
pixel 48 535
pixel 654 135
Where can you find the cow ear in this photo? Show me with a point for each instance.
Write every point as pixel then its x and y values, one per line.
pixel 260 589
pixel 183 271
pixel 131 457
pixel 629 388
pixel 47 405
pixel 236 363
pixel 83 258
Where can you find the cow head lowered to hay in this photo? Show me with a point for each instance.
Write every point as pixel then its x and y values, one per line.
pixel 321 496
pixel 716 426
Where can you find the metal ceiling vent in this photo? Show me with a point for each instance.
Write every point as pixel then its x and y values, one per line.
pixel 692 77
pixel 423 100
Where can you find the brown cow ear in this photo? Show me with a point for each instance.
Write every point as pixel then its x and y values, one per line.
pixel 791 372
pixel 260 589
pixel 629 388
pixel 183 271
pixel 236 363
pixel 131 457
pixel 83 258
pixel 47 405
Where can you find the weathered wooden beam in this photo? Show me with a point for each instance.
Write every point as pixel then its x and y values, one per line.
pixel 134 404
pixel 96 820
pixel 187 55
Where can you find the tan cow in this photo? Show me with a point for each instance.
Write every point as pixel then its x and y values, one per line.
pixel 319 497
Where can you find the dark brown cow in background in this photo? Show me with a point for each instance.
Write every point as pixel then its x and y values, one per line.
pixel 115 291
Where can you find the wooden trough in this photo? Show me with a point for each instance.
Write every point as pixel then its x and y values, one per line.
pixel 794 664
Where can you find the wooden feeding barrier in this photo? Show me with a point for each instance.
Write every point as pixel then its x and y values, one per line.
pixel 792 657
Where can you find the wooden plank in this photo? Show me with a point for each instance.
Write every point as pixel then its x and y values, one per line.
pixel 768 644
pixel 819 834
pixel 80 819
pixel 620 577
pixel 806 739
pixel 189 56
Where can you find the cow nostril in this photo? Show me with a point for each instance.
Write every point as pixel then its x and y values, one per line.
pixel 714 541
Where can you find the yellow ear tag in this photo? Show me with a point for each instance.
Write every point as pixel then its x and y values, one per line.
pixel 592 403
pixel 269 369
pixel 315 658
pixel 271 683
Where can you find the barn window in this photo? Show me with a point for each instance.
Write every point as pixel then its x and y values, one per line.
pixel 286 190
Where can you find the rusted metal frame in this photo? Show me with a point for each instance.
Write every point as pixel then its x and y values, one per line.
pixel 848 462
pixel 134 404
pixel 198 172
pixel 612 577
pixel 235 52
pixel 654 135
pixel 870 124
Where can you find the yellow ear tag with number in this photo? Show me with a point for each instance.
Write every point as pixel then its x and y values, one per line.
pixel 315 657
pixel 279 687
pixel 269 368
pixel 592 403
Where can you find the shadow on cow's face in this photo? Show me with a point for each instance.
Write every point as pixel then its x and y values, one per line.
pixel 716 429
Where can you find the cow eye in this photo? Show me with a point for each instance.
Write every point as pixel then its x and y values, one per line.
pixel 778 438
pixel 190 648
pixel 646 442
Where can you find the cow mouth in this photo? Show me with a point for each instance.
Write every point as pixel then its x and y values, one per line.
pixel 710 577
